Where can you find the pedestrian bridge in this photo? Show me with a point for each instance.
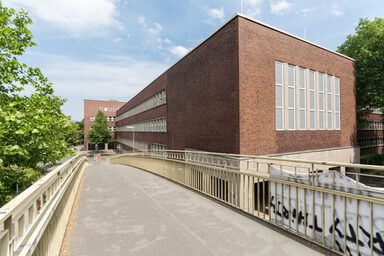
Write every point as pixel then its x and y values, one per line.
pixel 260 206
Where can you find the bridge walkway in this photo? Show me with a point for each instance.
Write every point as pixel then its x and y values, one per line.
pixel 127 211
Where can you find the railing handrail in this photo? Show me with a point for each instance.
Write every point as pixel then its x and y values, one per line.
pixel 30 192
pixel 293 160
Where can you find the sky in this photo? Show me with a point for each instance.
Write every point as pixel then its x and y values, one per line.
pixel 112 49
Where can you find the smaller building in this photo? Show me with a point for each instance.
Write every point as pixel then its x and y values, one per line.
pixel 109 109
pixel 371 134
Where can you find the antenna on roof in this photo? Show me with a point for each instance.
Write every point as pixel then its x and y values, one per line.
pixel 242 7
pixel 305 32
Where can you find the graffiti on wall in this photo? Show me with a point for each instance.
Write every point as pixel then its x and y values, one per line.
pixel 323 218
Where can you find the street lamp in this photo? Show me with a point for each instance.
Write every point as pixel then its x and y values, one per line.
pixel 133 137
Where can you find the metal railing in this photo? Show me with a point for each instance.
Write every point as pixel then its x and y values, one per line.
pixel 323 202
pixel 34 222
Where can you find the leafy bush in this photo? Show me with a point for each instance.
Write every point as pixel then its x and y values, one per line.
pixel 9 178
pixel 377 159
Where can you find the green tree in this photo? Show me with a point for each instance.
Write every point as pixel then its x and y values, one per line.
pixel 32 124
pixel 366 46
pixel 99 133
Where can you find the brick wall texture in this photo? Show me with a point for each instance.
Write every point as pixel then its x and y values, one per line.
pixel 221 96
pixel 90 109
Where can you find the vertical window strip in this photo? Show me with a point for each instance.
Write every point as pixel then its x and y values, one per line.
pixel 291 98
pixel 279 96
pixel 329 102
pixel 321 101
pixel 337 103
pixel 303 85
pixel 312 100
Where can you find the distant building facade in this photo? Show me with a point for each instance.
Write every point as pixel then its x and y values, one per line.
pixel 109 108
pixel 249 89
pixel 371 135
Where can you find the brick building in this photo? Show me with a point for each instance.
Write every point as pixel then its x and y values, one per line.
pixel 371 135
pixel 90 110
pixel 249 89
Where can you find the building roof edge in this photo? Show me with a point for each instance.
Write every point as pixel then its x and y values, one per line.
pixel 291 35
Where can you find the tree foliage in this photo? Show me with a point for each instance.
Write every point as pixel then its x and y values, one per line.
pixel 76 134
pixel 99 133
pixel 366 46
pixel 32 124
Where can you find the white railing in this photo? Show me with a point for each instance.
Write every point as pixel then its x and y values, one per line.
pixel 326 203
pixel 34 222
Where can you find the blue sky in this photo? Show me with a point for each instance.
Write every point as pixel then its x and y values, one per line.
pixel 112 49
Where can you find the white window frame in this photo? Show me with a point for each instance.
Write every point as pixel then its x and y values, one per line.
pixel 321 93
pixel 312 90
pixel 330 104
pixel 282 95
pixel 337 103
pixel 292 86
pixel 92 118
pixel 302 91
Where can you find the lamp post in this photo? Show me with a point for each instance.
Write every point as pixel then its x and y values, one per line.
pixel 133 137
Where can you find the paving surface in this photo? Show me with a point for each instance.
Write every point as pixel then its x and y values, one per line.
pixel 126 211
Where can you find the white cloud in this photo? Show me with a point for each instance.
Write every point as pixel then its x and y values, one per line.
pixel 85 17
pixel 166 40
pixel 179 50
pixel 307 11
pixel 335 11
pixel 153 30
pixel 280 7
pixel 252 8
pixel 216 14
pixel 117 40
pixel 118 77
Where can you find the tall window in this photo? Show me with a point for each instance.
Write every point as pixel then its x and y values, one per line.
pixel 92 118
pixel 291 97
pixel 337 102
pixel 329 102
pixel 279 96
pixel 303 84
pixel 312 101
pixel 321 101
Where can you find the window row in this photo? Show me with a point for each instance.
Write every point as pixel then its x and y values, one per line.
pixel 306 99
pixel 154 101
pixel 371 142
pixel 108 109
pixel 372 126
pixel 109 118
pixel 112 128
pixel 153 125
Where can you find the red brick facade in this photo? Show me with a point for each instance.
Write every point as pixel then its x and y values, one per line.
pixel 371 136
pixel 90 109
pixel 221 96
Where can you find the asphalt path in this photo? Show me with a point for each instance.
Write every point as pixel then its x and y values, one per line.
pixel 127 211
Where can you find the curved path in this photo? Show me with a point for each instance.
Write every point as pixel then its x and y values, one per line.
pixel 127 211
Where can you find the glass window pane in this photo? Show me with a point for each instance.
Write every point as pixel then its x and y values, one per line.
pixel 279 96
pixel 312 80
pixel 291 118
pixel 302 119
pixel 321 101
pixel 312 117
pixel 302 99
pixel 329 102
pixel 329 84
pixel 337 85
pixel 279 118
pixel 337 120
pixel 279 72
pixel 321 82
pixel 321 120
pixel 291 75
pixel 312 100
pixel 330 119
pixel 337 101
pixel 302 78
pixel 291 97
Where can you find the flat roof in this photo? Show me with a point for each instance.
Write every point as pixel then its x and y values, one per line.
pixel 117 101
